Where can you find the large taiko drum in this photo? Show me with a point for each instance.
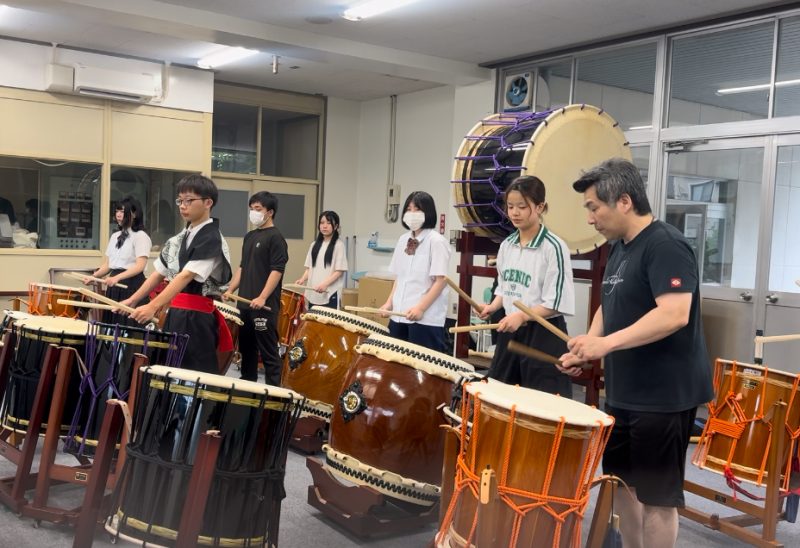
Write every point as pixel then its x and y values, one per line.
pixel 544 450
pixel 323 350
pixel 34 335
pixel 176 406
pixel 43 300
pixel 735 437
pixel 109 360
pixel 234 322
pixel 556 146
pixel 385 431
pixel 293 304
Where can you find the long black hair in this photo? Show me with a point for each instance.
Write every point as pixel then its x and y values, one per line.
pixel 333 218
pixel 132 218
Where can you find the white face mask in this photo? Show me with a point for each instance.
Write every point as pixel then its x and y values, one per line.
pixel 414 219
pixel 257 217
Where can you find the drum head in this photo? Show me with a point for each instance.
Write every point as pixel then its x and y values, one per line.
pixel 538 404
pixel 566 143
pixel 418 357
pixel 220 381
pixel 53 324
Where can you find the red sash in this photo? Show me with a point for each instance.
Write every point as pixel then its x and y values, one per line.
pixel 198 303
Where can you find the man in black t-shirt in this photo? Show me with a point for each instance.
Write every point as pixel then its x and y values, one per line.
pixel 649 330
pixel 264 257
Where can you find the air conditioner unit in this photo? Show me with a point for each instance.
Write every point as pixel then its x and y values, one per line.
pixel 138 87
pixel 518 92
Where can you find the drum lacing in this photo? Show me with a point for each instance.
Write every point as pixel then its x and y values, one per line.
pixel 332 314
pixel 380 483
pixel 447 364
pixel 468 478
pixel 734 430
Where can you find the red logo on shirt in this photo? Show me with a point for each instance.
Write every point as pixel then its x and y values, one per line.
pixel 675 282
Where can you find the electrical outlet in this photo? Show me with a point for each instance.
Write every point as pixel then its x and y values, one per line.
pixel 454 308
pixel 393 195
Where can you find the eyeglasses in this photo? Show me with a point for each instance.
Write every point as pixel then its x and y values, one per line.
pixel 187 202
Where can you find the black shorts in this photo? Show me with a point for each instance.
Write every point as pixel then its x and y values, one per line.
pixel 648 451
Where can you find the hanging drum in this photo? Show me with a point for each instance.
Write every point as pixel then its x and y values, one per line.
pixel 556 146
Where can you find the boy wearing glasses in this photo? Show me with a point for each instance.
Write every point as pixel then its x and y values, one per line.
pixel 197 263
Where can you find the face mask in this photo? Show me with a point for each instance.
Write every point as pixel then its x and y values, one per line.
pixel 257 218
pixel 414 219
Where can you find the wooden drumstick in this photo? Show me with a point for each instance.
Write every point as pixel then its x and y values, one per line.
pixel 519 348
pixel 476 327
pixel 84 304
pixel 298 286
pixel 114 304
pixel 463 294
pixel 242 300
pixel 371 310
pixel 82 277
pixel 541 321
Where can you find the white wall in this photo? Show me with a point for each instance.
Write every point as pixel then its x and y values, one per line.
pixel 22 65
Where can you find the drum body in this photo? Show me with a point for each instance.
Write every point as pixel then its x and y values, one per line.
pixel 735 437
pixel 34 335
pixel 324 348
pixel 175 407
pixel 234 323
pixel 385 431
pixel 43 300
pixel 544 450
pixel 292 306
pixel 555 146
pixel 109 359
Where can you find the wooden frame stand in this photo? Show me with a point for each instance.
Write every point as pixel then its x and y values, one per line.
pixel 361 510
pixel 752 514
pixel 309 435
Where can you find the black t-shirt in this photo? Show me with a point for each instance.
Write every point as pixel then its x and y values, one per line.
pixel 674 373
pixel 264 250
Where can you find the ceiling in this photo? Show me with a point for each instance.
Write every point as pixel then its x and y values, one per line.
pixel 425 44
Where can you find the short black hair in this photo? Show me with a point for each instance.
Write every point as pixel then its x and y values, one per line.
pixel 200 185
pixel 424 203
pixel 612 179
pixel 267 200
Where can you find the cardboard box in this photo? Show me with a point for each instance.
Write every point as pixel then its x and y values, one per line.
pixel 373 292
pixel 349 297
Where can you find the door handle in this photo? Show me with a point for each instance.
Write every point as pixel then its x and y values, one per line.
pixel 772 298
pixel 746 296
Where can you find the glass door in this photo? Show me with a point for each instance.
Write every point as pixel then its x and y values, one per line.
pixel 714 192
pixel 780 301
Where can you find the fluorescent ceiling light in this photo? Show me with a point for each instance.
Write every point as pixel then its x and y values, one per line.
pixel 225 56
pixel 373 7
pixel 639 127
pixel 757 87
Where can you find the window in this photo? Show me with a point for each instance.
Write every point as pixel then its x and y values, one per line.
pixel 155 189
pixel 787 76
pixel 621 82
pixel 289 144
pixel 49 204
pixel 721 77
pixel 552 85
pixel 234 135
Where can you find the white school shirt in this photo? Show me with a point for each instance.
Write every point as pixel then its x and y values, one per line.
pixel 136 245
pixel 320 272
pixel 415 276
pixel 202 268
pixel 538 274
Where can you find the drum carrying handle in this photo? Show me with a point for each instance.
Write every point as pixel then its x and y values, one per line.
pixel 126 414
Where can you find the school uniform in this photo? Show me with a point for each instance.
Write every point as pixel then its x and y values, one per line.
pixel 319 273
pixel 415 267
pixel 136 244
pixel 539 273
pixel 203 251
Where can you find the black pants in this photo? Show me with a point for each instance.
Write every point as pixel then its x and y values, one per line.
pixel 512 368
pixel 120 294
pixel 259 336
pixel 203 331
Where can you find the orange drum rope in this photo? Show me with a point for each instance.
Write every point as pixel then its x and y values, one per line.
pixel 734 428
pixel 467 478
